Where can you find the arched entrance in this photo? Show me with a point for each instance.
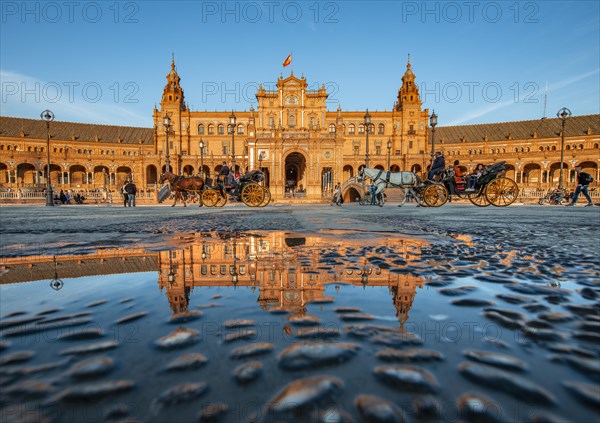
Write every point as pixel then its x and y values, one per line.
pixel 395 168
pixel 3 173
pixel 123 174
pixel 532 173
pixel 188 170
pixel 78 176
pixel 151 175
pixel 295 172
pixel 348 172
pixel 27 176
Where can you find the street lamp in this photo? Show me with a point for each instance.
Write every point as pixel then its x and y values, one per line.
pixel 201 158
pixel 563 114
pixel 389 146
pixel 232 124
pixel 233 268
pixel 167 125
pixel 48 117
pixel 367 125
pixel 56 283
pixel 433 122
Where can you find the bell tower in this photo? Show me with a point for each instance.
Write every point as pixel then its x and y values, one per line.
pixel 172 98
pixel 408 94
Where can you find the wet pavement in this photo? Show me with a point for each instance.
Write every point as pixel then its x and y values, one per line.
pixel 300 313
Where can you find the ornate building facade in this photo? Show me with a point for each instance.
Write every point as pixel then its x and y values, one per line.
pixel 303 148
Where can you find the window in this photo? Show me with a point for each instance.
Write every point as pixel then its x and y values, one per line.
pixel 221 129
pixel 355 150
pixel 201 129
pixel 361 129
pixel 292 121
pixel 332 128
pixel 371 129
pixel 271 122
pixel 240 129
pixel 377 150
pixel 211 129
pixel 381 129
pixel 351 129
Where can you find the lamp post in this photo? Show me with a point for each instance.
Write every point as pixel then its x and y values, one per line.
pixel 232 124
pixel 563 114
pixel 167 125
pixel 201 158
pixel 389 146
pixel 433 122
pixel 367 125
pixel 48 117
pixel 56 283
pixel 233 268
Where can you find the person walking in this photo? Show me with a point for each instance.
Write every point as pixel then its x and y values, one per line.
pixel 583 180
pixel 131 190
pixel 125 195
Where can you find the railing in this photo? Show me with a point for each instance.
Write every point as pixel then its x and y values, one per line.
pixel 293 194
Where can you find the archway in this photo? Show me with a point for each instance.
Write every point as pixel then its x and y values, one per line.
pixel 511 172
pixel 123 174
pixel 188 170
pixel 55 174
pixel 26 175
pixel 417 169
pixel 151 175
pixel 348 172
pixel 591 168
pixel 395 168
pixel 351 195
pixel 554 173
pixel 3 173
pixel 379 167
pixel 295 172
pixel 78 175
pixel 101 177
pixel 532 174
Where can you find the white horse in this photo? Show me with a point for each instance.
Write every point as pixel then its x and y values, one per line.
pixel 384 179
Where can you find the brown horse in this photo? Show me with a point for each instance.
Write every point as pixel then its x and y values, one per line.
pixel 182 183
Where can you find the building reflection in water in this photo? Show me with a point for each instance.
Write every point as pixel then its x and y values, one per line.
pixel 288 271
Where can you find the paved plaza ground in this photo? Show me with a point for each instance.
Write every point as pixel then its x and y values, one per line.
pixel 569 231
pixel 493 306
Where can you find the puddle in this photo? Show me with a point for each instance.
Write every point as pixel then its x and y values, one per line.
pixel 289 326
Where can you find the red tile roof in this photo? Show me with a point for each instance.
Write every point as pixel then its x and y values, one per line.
pixel 85 132
pixel 521 130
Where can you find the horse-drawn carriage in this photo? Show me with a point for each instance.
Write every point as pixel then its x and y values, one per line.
pixel 247 190
pixel 492 187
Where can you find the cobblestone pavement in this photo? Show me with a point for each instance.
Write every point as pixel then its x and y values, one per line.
pixel 567 233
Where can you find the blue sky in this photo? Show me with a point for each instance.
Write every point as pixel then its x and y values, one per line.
pixel 475 62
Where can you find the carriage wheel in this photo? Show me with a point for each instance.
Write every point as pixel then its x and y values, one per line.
pixel 267 198
pixel 252 195
pixel 435 195
pixel 502 192
pixel 221 199
pixel 209 197
pixel 479 199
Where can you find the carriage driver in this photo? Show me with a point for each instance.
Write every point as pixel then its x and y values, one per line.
pixel 437 166
pixel 223 173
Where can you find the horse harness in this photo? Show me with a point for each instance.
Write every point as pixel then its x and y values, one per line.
pixel 386 179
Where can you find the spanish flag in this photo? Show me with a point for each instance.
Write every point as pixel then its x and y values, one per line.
pixel 288 60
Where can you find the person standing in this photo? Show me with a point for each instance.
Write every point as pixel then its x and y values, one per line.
pixel 131 190
pixel 583 180
pixel 125 195
pixel 373 188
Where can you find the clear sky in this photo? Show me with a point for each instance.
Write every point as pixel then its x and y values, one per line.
pixel 475 62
